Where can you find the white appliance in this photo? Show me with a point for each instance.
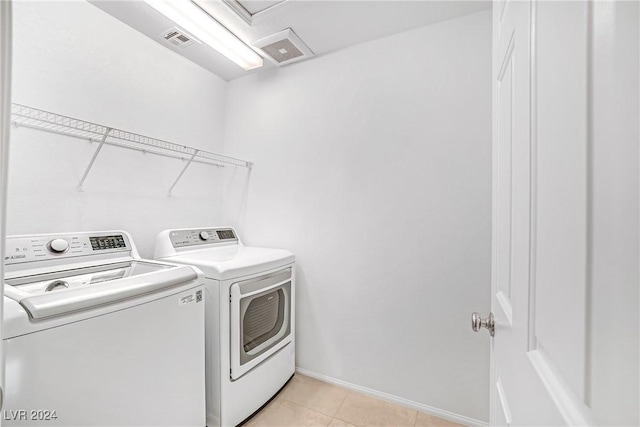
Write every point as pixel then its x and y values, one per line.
pixel 250 317
pixel 94 335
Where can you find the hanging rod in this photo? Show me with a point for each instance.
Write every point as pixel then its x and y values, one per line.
pixel 34 118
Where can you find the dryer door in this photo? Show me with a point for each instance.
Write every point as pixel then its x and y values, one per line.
pixel 260 319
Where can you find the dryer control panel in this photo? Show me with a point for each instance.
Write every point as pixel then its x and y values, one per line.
pixel 21 249
pixel 202 236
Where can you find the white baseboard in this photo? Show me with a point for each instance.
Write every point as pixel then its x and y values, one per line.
pixel 441 413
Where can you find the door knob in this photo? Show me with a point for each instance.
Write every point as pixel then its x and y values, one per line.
pixel 477 323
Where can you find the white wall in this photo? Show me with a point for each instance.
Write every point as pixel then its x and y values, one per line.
pixel 72 58
pixel 373 166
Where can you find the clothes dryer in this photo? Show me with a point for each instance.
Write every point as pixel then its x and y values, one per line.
pixel 96 336
pixel 250 317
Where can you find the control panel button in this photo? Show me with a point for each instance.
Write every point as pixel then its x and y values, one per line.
pixel 204 235
pixel 58 246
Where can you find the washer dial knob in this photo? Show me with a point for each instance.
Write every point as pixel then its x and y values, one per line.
pixel 58 246
pixel 204 235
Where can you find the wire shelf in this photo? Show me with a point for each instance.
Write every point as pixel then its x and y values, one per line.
pixel 24 116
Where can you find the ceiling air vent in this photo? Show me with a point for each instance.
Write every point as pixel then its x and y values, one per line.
pixel 284 47
pixel 178 38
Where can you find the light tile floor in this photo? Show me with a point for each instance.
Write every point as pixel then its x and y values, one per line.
pixel 308 402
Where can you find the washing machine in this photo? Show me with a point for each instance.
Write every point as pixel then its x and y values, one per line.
pixel 96 336
pixel 250 317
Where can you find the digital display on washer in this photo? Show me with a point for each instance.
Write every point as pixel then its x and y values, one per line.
pixel 107 242
pixel 225 234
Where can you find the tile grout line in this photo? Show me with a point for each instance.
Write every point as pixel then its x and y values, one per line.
pixel 416 412
pixel 334 415
pixel 341 403
pixel 306 407
pixel 340 406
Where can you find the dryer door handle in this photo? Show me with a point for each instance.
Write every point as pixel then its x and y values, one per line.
pixel 251 287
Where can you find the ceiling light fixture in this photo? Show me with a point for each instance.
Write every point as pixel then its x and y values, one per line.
pixel 202 26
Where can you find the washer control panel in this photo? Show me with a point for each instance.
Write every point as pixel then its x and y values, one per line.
pixel 21 249
pixel 195 237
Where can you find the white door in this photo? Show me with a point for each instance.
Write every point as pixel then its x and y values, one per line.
pixel 5 121
pixel 551 157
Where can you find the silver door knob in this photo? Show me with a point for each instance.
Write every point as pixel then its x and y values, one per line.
pixel 477 323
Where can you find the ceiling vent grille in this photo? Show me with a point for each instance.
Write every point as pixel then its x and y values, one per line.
pixel 284 47
pixel 178 38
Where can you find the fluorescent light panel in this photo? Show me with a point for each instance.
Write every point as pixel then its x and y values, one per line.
pixel 202 26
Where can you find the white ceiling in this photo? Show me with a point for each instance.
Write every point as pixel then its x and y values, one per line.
pixel 325 26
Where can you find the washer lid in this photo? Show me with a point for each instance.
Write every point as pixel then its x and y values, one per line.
pixel 53 294
pixel 229 262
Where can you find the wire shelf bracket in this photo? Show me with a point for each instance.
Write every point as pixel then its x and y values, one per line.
pixel 182 172
pixel 34 118
pixel 93 158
